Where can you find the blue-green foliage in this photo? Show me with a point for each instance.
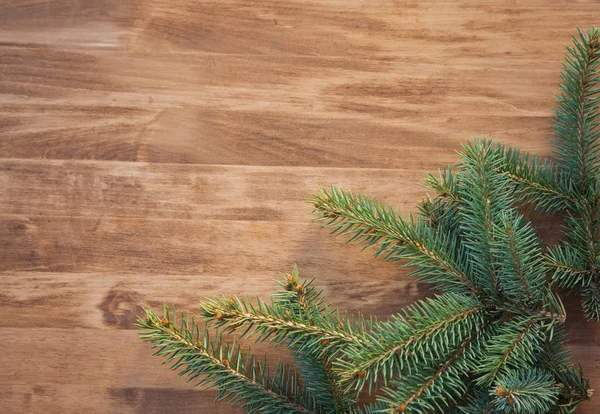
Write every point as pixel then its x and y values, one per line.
pixel 525 391
pixel 507 304
pixel 570 184
pixel 238 378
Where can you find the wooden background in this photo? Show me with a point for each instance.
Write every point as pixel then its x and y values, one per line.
pixel 158 150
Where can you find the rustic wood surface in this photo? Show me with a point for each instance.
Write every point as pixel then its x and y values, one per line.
pixel 157 150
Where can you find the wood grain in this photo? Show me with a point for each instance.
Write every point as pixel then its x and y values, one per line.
pixel 157 151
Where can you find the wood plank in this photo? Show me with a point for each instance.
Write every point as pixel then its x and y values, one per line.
pixel 43 398
pixel 294 84
pixel 135 190
pixel 115 300
pixel 249 251
pixel 71 370
pixel 77 244
pixel 106 358
pixel 196 192
pixel 339 123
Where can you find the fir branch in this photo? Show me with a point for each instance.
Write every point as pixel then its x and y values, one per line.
pixel 493 343
pixel 526 391
pixel 591 300
pixel 573 386
pixel 485 194
pixel 577 131
pixel 576 121
pixel 368 221
pixel 521 266
pixel 316 368
pixel 314 331
pixel 447 185
pixel 427 330
pixel 433 389
pixel 568 266
pixel 538 182
pixel 515 346
pixel 479 402
pixel 239 380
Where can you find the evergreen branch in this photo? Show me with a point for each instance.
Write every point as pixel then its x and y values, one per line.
pixel 425 331
pixel 574 387
pixel 478 403
pixel 528 391
pixel 433 389
pixel 238 379
pixel 538 182
pixel 576 121
pixel 441 214
pixel 493 343
pixel 582 231
pixel 577 131
pixel 516 346
pixel 591 301
pixel 447 185
pixel 486 194
pixel 568 266
pixel 314 331
pixel 368 221
pixel 521 266
pixel 316 368
pixel 377 407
